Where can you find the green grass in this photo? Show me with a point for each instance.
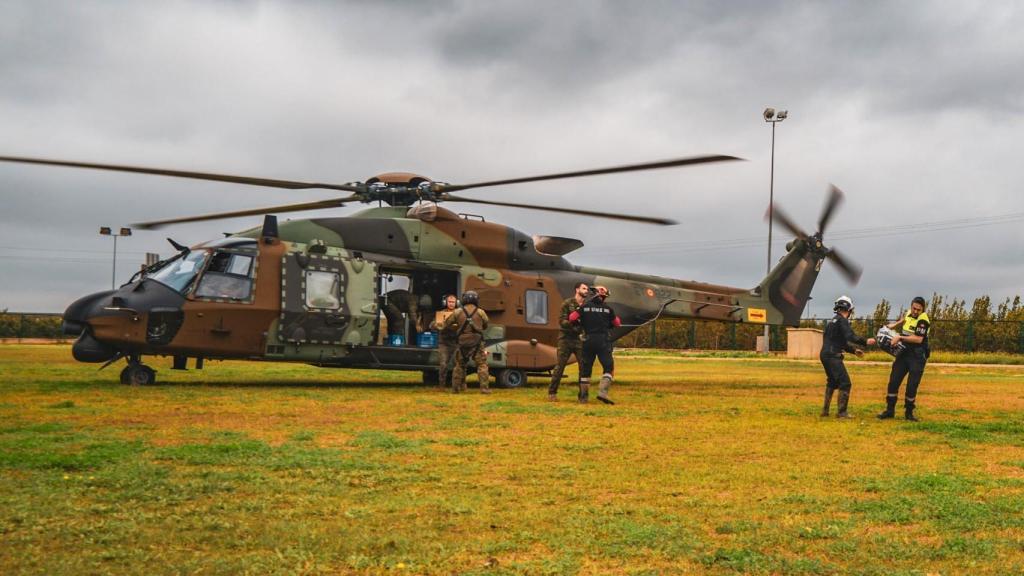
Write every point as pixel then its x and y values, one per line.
pixel 705 466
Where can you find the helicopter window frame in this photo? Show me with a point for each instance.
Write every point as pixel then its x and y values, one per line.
pixel 315 296
pixel 229 284
pixel 180 272
pixel 536 307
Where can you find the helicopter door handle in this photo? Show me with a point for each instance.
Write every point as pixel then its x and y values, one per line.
pixel 220 330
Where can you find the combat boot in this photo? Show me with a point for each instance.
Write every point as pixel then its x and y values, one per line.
pixel 890 409
pixel 584 395
pixel 908 410
pixel 603 388
pixel 844 400
pixel 828 401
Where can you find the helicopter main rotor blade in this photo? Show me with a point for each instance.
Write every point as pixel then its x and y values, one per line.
pixel 647 219
pixel 333 203
pixel 849 269
pixel 288 184
pixel 835 198
pixel 441 187
pixel 779 216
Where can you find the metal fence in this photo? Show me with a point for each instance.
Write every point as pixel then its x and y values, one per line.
pixel 951 335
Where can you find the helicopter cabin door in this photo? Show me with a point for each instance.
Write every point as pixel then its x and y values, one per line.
pixel 327 300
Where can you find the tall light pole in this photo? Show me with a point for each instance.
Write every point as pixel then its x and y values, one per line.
pixel 772 117
pixel 107 231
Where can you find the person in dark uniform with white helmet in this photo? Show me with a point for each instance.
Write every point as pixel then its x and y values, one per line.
pixel 839 337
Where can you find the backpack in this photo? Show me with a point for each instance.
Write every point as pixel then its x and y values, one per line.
pixel 472 337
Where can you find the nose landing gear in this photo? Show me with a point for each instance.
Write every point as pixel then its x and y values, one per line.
pixel 137 374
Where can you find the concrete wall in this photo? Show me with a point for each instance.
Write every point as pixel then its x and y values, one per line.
pixel 803 342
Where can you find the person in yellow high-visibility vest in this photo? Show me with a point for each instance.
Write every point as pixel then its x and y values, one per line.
pixel 913 333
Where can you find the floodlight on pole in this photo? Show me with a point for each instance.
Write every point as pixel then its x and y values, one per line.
pixel 108 231
pixel 772 117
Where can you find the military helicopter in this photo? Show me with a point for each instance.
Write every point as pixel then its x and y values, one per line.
pixel 318 290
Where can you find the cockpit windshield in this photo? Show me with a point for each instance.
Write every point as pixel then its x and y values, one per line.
pixel 179 273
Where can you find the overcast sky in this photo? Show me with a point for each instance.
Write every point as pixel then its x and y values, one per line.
pixel 914 109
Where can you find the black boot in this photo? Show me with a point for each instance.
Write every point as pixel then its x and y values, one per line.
pixel 890 408
pixel 844 401
pixel 908 410
pixel 584 395
pixel 828 401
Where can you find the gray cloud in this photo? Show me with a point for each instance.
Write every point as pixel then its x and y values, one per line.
pixel 912 108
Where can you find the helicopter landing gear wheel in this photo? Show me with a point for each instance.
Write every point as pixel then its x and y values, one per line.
pixel 135 374
pixel 511 378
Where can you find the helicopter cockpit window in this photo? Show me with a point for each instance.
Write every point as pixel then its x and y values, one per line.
pixel 322 290
pixel 227 277
pixel 536 307
pixel 179 273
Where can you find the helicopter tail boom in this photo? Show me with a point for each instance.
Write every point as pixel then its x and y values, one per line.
pixel 784 292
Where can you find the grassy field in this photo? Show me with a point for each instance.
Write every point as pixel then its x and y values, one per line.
pixel 706 466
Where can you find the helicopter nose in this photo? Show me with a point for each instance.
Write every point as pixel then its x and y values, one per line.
pixel 76 317
pixel 76 323
pixel 88 349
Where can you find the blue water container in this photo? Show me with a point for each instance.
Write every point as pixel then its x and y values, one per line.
pixel 427 340
pixel 396 340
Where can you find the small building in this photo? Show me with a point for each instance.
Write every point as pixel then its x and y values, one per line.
pixel 803 342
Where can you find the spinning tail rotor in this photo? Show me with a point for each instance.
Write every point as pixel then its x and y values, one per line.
pixel 849 270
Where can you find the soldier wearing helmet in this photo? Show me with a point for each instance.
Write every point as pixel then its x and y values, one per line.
pixel 839 337
pixel 467 325
pixel 913 334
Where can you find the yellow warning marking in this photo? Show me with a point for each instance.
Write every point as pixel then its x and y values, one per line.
pixel 757 315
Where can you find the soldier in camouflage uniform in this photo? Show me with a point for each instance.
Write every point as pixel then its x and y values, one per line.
pixel 467 325
pixel 399 305
pixel 446 342
pixel 569 337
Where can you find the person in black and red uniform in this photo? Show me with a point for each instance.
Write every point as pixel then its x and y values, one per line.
pixel 597 319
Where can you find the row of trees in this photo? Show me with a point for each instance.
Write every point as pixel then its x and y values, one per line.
pixel 981 327
pixel 29 325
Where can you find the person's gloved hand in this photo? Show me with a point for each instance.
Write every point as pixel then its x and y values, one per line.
pixel 574 316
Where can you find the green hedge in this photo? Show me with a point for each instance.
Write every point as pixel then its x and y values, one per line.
pixel 14 325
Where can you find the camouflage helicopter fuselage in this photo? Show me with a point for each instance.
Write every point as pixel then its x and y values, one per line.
pixel 251 295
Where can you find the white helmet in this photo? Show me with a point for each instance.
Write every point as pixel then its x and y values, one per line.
pixel 843 303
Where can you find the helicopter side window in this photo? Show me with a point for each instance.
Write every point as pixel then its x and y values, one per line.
pixel 227 277
pixel 322 290
pixel 536 307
